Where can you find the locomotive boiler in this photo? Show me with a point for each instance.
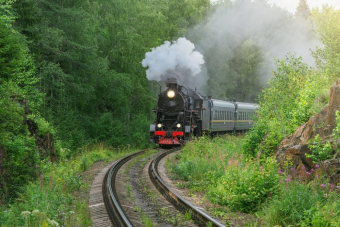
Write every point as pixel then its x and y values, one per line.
pixel 182 112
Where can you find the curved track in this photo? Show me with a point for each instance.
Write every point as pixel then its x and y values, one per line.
pixel 113 207
pixel 115 211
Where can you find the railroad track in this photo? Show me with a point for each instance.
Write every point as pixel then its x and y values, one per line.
pixel 115 209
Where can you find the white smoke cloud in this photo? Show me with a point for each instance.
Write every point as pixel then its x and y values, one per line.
pixel 276 31
pixel 177 59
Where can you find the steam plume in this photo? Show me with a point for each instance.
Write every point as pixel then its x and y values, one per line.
pixel 241 28
pixel 177 59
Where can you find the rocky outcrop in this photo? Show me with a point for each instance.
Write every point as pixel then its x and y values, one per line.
pixel 295 146
pixel 45 143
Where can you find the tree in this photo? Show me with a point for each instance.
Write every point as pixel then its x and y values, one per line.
pixel 327 24
pixel 302 10
pixel 17 83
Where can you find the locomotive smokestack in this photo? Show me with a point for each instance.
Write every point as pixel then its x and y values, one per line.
pixel 172 83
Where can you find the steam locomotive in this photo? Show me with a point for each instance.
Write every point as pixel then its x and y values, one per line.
pixel 182 112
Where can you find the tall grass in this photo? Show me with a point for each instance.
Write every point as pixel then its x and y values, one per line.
pixel 203 161
pixel 56 199
pixel 279 197
pixel 229 178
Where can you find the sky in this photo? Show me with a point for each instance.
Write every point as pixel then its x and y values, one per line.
pixel 291 5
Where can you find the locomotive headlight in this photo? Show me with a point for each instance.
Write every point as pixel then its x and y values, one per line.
pixel 171 94
pixel 178 125
pixel 159 125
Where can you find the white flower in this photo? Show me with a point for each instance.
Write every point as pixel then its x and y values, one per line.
pixel 35 212
pixel 52 222
pixel 25 213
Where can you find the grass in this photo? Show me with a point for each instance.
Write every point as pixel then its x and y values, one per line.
pixel 147 221
pixel 256 186
pixel 59 196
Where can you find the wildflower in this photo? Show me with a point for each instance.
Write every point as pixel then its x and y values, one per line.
pixel 322 185
pixel 325 195
pixel 308 173
pixel 288 180
pixel 292 169
pixel 338 187
pixel 312 170
pixel 303 167
pixel 25 213
pixel 280 172
pixel 53 223
pixel 35 212
pixel 316 176
pixel 317 166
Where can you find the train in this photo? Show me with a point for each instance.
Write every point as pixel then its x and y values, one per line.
pixel 182 113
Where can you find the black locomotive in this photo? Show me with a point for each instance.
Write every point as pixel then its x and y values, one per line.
pixel 182 112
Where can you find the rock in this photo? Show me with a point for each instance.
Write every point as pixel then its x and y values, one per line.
pixel 295 146
pixel 45 143
pixel 46 146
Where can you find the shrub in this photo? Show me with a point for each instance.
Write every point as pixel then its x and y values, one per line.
pixel 245 186
pixel 319 150
pixel 43 125
pixel 56 195
pixel 295 93
pixel 288 207
pixel 202 161
pixel 323 215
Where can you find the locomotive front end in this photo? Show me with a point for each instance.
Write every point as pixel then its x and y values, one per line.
pixel 169 127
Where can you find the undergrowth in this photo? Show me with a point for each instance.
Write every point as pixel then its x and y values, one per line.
pixel 239 183
pixel 56 199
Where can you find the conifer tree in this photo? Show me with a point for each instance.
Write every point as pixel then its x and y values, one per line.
pixel 302 10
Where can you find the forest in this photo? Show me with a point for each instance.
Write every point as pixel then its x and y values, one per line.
pixel 71 72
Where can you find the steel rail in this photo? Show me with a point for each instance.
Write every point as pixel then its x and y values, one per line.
pixel 199 217
pixel 112 204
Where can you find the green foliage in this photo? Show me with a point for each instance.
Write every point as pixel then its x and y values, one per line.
pixel 56 195
pixel 88 61
pixel 217 168
pixel 84 165
pixel 17 81
pixel 254 138
pixel 326 22
pixel 288 206
pixel 6 12
pixel 305 198
pixel 323 214
pixel 203 161
pixel 233 70
pixel 320 151
pixel 43 125
pixel 296 93
pixel 336 130
pixel 245 186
